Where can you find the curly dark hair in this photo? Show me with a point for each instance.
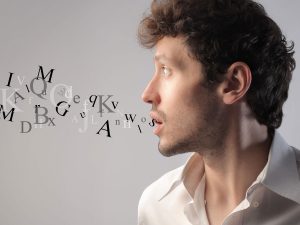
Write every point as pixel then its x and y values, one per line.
pixel 221 32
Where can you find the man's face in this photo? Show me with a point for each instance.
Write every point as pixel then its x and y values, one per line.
pixel 187 113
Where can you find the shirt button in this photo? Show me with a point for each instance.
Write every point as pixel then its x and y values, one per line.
pixel 255 204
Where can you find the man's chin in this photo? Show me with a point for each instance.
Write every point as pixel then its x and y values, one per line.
pixel 166 153
pixel 168 150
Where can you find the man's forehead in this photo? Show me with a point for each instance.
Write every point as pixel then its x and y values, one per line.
pixel 170 46
pixel 173 51
pixel 168 49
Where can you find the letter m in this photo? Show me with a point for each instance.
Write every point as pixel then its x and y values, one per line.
pixel 41 71
pixel 11 112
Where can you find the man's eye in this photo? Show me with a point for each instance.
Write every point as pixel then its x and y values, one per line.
pixel 166 71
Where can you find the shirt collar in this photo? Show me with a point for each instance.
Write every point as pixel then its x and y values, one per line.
pixel 279 175
pixel 282 175
pixel 176 177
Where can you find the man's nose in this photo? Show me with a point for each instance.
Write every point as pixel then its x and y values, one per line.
pixel 151 92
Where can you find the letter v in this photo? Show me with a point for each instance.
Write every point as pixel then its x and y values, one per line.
pixel 21 81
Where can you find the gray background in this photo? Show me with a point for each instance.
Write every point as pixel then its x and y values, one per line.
pixel 57 175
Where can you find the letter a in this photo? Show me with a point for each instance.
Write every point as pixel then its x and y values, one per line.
pixel 107 128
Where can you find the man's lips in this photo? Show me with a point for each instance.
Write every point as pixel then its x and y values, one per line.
pixel 156 118
pixel 158 121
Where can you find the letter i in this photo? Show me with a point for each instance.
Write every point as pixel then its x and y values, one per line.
pixel 140 128
pixel 9 80
pixel 27 88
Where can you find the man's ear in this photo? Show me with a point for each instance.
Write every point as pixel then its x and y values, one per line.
pixel 236 83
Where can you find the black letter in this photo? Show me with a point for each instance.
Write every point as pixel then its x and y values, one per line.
pixel 42 73
pixel 107 128
pixel 152 123
pixel 12 111
pixel 130 117
pixel 9 80
pixel 65 112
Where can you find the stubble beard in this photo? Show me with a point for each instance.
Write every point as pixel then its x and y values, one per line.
pixel 206 137
pixel 201 141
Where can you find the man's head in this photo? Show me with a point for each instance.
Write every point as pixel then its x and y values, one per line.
pixel 209 41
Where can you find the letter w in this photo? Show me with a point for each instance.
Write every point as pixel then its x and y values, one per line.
pixel 130 117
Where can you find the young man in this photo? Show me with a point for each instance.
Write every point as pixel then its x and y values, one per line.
pixel 222 72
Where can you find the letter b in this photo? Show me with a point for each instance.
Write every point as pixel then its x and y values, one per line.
pixel 43 115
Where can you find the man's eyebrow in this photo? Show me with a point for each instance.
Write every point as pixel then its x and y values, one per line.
pixel 163 58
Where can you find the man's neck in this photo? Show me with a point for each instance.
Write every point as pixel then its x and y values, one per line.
pixel 231 172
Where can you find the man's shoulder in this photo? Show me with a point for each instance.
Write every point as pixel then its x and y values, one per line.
pixel 297 152
pixel 150 209
pixel 159 186
pixel 149 201
pixel 297 156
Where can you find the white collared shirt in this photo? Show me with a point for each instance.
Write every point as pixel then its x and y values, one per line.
pixel 272 199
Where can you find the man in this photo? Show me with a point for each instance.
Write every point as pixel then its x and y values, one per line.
pixel 222 72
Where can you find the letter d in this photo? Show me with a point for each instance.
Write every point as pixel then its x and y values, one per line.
pixel 22 127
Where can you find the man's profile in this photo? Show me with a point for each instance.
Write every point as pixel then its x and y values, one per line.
pixel 222 74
